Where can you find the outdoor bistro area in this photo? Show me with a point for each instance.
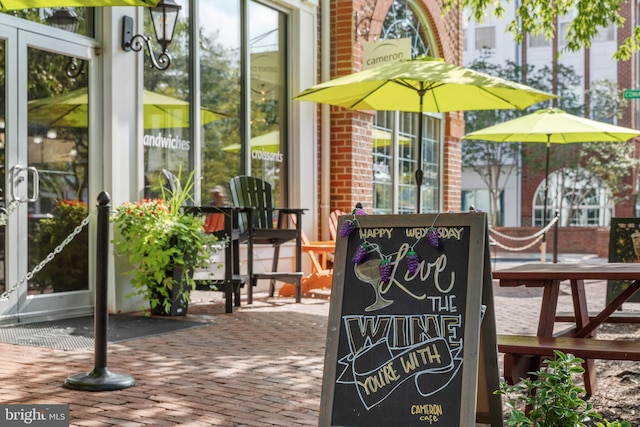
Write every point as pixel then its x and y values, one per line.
pixel 294 213
pixel 214 373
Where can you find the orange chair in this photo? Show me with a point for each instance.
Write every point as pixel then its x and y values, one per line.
pixel 320 253
pixel 333 223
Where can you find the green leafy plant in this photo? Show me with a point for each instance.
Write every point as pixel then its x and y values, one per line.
pixel 552 399
pixel 159 238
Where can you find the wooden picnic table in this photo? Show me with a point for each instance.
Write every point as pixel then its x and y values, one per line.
pixel 522 353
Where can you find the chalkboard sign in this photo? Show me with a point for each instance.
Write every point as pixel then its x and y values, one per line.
pixel 624 246
pixel 405 319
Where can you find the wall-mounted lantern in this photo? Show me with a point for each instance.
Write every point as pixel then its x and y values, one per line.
pixel 164 17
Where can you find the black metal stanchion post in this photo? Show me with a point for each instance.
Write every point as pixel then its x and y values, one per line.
pixel 101 379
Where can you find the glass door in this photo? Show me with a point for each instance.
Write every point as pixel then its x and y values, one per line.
pixel 46 179
pixel 8 298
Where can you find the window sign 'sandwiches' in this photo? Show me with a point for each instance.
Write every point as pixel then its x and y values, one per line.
pixel 169 142
pixel 405 320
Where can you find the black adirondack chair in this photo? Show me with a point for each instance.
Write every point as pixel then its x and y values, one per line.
pixel 265 225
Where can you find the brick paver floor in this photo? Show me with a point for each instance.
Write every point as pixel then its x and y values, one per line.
pixel 260 366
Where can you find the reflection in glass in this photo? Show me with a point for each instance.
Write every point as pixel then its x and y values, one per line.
pixel 47 16
pixel 220 91
pixel 268 145
pixel 166 108
pixel 250 139
pixel 3 200
pixel 58 147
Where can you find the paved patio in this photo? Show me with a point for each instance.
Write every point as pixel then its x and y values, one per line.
pixel 260 366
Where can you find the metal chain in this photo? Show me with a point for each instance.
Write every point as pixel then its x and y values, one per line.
pixel 48 258
pixel 510 248
pixel 523 238
pixel 5 213
pixel 537 237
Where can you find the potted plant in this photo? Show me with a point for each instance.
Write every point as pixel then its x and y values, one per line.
pixel 164 245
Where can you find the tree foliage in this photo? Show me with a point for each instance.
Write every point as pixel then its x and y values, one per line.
pixel 219 91
pixel 538 17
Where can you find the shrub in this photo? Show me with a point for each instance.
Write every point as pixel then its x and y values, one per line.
pixel 551 397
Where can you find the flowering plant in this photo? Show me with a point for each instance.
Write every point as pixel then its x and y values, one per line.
pixel 160 238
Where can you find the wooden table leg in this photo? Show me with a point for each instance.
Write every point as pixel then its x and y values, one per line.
pixel 580 309
pixel 548 308
pixel 518 366
pixel 581 313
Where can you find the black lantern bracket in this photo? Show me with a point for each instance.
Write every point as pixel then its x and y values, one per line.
pixel 139 41
pixel 164 18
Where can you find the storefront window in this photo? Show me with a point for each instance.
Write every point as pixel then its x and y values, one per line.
pixel 268 147
pixel 395 192
pixel 248 138
pixel 220 84
pixel 167 138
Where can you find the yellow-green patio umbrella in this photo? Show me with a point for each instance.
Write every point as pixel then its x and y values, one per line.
pixel 70 110
pixel 6 5
pixel 420 85
pixel 553 126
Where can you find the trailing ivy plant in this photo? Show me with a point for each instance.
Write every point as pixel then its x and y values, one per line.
pixel 551 399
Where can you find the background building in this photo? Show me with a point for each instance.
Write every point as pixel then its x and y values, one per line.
pixel 488 40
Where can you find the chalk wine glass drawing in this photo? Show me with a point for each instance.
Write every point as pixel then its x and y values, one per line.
pixel 369 272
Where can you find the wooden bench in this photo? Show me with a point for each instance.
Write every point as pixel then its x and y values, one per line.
pixel 522 354
pixel 616 317
pixel 585 348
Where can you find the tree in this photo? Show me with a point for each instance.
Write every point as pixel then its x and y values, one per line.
pixel 539 17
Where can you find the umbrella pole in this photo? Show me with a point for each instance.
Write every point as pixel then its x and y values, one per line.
pixel 543 245
pixel 419 172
